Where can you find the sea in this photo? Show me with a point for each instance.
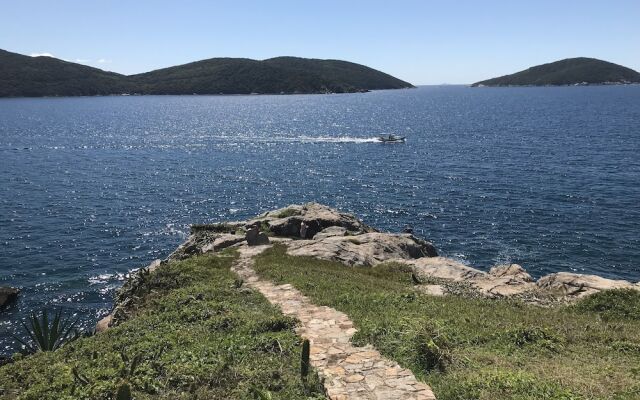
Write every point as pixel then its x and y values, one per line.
pixel 93 188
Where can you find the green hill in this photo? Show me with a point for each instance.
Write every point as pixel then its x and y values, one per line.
pixel 571 71
pixel 275 75
pixel 23 76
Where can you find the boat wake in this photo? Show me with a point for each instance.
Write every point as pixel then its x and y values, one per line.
pixel 332 139
pixel 296 139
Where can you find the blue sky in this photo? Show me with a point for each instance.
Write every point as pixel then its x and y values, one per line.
pixel 424 42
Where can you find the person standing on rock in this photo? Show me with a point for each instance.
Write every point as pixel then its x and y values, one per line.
pixel 303 230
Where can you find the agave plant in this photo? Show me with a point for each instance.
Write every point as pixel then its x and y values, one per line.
pixel 48 335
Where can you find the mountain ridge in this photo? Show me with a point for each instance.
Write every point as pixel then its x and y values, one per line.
pixel 24 76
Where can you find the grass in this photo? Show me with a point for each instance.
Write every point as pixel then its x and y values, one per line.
pixel 195 333
pixel 471 348
pixel 613 304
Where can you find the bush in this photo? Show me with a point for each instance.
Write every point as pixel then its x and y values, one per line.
pixel 616 303
pixel 433 348
pixel 524 336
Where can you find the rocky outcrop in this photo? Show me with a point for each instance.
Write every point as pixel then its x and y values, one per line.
pixel 286 221
pixel 329 232
pixel 222 242
pixel 366 249
pixel 579 285
pixel 8 295
pixel 444 268
pixel 331 235
pixel 511 271
pixel 209 237
pixel 510 280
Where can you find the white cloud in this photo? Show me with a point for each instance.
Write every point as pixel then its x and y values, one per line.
pixel 77 60
pixel 42 55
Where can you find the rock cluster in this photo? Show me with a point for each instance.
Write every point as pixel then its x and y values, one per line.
pixel 512 280
pixel 328 234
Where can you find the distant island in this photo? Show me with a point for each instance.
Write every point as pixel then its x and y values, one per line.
pixel 571 71
pixel 25 76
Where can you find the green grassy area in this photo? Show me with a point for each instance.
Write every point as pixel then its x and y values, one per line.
pixel 197 332
pixel 469 348
pixel 288 212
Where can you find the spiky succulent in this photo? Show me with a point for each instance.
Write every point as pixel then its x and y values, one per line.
pixel 48 335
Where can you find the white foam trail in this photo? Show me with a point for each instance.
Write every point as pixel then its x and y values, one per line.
pixel 300 139
pixel 333 139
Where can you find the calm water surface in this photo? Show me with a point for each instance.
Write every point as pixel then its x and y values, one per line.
pixel 92 188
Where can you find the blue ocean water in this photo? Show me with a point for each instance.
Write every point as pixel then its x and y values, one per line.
pixel 92 188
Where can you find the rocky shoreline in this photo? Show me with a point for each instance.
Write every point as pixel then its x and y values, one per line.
pixel 315 230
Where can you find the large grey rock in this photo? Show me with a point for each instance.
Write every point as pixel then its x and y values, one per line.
pixel 502 281
pixel 329 232
pixel 579 285
pixel 514 271
pixel 502 286
pixel 222 242
pixel 444 268
pixel 8 295
pixel 366 249
pixel 203 236
pixel 286 221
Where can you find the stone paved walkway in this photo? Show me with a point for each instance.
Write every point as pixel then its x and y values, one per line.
pixel 349 372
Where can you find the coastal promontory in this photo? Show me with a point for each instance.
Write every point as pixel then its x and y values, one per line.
pixel 307 302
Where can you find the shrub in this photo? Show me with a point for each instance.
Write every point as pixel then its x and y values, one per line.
pixel 616 303
pixel 433 348
pixel 524 336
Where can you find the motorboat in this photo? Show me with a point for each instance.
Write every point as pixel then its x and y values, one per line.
pixel 391 139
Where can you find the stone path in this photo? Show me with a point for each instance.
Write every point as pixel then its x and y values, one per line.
pixel 349 372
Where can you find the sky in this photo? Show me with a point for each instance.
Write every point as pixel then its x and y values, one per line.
pixel 423 42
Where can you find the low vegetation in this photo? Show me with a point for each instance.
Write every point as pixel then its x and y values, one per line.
pixel 613 304
pixel 474 348
pixel 196 332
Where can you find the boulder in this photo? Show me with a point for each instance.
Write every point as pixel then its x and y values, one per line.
pixel 254 237
pixel 503 286
pixel 222 242
pixel 444 268
pixel 8 295
pixel 579 285
pixel 104 324
pixel 366 249
pixel 286 221
pixel 329 232
pixel 511 270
